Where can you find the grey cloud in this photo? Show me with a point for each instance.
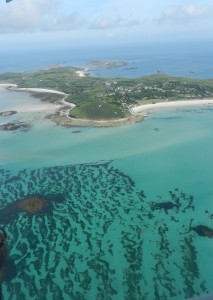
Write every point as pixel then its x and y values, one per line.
pixel 133 23
pixel 37 15
pixel 187 13
pixel 65 22
pixel 108 22
pixel 105 22
pixel 45 15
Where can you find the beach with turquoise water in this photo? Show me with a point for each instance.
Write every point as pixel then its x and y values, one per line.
pixel 106 235
pixel 122 206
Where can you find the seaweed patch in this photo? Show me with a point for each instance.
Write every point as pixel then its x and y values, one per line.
pixel 31 205
pixel 202 230
pixel 84 231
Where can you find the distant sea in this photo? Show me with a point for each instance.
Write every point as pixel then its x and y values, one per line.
pixel 127 211
pixel 187 59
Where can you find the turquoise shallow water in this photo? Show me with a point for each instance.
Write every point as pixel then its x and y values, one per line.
pixel 121 208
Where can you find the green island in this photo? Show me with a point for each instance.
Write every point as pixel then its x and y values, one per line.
pixel 106 99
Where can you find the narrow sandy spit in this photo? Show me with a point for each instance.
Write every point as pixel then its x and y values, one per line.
pixel 6 86
pixel 43 107
pixel 40 90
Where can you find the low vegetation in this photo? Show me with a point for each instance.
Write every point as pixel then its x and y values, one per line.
pixel 101 98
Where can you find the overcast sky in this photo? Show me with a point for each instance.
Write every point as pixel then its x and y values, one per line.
pixel 103 21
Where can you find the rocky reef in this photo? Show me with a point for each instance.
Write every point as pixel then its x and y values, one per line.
pixel 7 113
pixel 33 205
pixel 85 231
pixel 106 64
pixel 203 230
pixel 15 126
pixel 8 271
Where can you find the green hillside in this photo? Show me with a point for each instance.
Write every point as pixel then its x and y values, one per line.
pixel 101 98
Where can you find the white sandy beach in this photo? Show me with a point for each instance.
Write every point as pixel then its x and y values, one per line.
pixel 82 73
pixel 42 107
pixel 63 107
pixel 14 87
pixel 5 86
pixel 144 109
pixel 40 90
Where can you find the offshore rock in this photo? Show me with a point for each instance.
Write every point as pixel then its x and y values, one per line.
pixel 14 126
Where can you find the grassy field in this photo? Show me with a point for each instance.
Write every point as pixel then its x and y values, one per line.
pixel 101 98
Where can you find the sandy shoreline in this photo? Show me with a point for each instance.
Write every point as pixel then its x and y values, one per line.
pixel 83 72
pixel 49 108
pixel 69 122
pixel 138 113
pixel 39 90
pixel 59 112
pixel 145 108
pixel 6 86
pixel 14 87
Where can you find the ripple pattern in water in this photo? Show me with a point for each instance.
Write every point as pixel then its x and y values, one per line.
pixel 101 239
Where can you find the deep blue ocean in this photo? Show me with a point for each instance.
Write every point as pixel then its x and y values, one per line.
pixel 187 59
pixel 123 213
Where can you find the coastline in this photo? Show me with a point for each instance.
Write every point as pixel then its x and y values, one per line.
pixel 47 107
pixel 59 111
pixel 147 108
pixel 39 90
pixel 137 114
pixel 6 86
pixel 64 120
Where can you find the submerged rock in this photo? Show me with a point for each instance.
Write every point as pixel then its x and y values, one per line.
pixel 202 230
pixel 14 126
pixel 102 226
pixel 31 205
pixel 7 113
pixel 163 205
pixel 76 131
pixel 8 271
pixel 34 205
